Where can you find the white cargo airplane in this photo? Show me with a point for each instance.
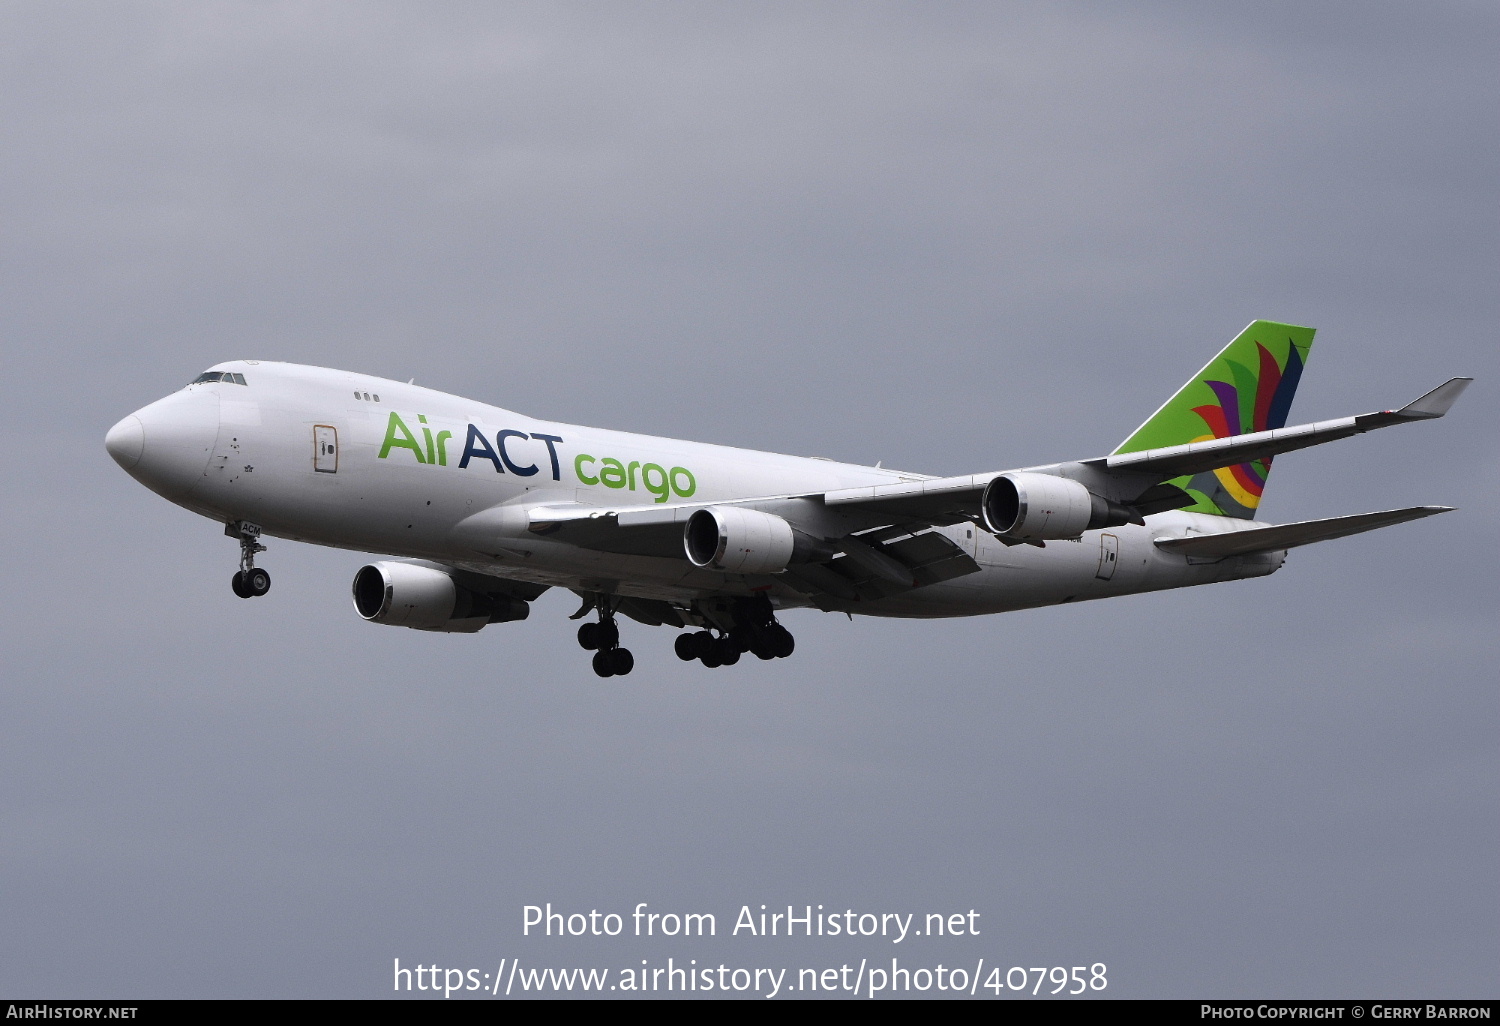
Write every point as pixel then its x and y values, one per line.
pixel 490 508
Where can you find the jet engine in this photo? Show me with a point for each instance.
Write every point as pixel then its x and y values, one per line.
pixel 746 541
pixel 429 599
pixel 1038 507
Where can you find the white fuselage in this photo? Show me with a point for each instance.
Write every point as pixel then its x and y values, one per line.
pixel 418 473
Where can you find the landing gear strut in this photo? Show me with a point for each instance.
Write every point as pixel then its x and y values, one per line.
pixel 249 581
pixel 603 638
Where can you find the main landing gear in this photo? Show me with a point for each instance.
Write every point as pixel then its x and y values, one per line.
pixel 249 581
pixel 731 628
pixel 755 630
pixel 603 639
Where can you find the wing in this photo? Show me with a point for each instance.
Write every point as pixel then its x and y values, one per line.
pixel 859 544
pixel 1137 480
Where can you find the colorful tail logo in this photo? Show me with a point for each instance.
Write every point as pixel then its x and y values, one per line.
pixel 1272 392
pixel 1248 387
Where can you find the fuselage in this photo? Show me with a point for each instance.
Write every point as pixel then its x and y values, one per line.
pixel 358 462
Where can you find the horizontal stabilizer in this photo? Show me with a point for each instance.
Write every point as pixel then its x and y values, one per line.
pixel 1288 536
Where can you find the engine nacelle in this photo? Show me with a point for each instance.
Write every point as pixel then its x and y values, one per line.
pixel 1040 507
pixel 740 541
pixel 428 599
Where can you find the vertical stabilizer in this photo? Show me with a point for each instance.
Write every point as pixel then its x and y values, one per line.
pixel 1248 387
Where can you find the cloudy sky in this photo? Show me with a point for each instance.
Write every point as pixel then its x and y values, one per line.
pixel 949 236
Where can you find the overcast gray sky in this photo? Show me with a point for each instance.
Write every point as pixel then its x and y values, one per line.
pixel 949 236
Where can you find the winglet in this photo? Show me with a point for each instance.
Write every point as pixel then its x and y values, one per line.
pixel 1437 402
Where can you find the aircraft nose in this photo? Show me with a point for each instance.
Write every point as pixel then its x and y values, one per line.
pixel 167 445
pixel 126 441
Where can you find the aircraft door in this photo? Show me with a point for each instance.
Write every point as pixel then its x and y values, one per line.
pixel 325 449
pixel 1109 556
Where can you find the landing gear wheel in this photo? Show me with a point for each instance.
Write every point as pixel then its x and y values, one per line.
pixel 782 642
pixel 588 636
pixel 727 651
pixel 743 637
pixel 256 582
pixel 604 664
pixel 237 584
pixel 621 661
pixel 703 644
pixel 685 647
pixel 753 629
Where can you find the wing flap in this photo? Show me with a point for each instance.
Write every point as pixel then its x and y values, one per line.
pixel 924 559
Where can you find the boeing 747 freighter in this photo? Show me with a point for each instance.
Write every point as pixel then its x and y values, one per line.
pixel 485 509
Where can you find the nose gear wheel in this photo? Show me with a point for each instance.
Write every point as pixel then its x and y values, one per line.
pixel 249 580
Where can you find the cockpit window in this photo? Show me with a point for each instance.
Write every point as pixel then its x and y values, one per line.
pixel 228 377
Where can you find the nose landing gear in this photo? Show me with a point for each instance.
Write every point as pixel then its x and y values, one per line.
pixel 249 581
